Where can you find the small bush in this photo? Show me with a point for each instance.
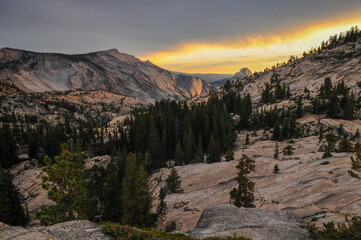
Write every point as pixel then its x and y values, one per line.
pixel 349 230
pixel 171 227
pixel 118 231
pixel 325 163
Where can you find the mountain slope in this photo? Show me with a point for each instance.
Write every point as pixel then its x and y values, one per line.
pixel 105 70
pixel 209 77
pixel 339 63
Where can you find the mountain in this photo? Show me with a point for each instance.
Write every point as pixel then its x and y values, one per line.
pixel 104 70
pixel 339 63
pixel 209 77
pixel 244 72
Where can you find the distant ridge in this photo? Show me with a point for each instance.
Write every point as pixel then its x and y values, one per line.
pixel 107 70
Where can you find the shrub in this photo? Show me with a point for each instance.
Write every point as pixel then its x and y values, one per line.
pixel 126 232
pixel 349 230
pixel 171 227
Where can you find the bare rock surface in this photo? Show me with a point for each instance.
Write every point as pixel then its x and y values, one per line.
pixel 104 70
pixel 78 229
pixel 340 63
pixel 315 189
pixel 257 224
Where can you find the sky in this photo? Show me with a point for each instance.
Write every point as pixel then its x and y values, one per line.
pixel 194 36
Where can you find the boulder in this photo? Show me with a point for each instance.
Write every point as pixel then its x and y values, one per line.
pixel 255 223
pixel 77 229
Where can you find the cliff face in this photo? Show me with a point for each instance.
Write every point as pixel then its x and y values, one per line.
pixel 105 70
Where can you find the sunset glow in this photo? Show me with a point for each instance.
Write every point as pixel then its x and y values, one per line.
pixel 255 52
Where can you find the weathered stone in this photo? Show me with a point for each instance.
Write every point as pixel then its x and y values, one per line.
pixel 78 229
pixel 257 224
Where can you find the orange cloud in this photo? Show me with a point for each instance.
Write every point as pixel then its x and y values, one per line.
pixel 255 52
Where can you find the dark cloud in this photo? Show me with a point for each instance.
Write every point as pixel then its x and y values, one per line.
pixel 140 26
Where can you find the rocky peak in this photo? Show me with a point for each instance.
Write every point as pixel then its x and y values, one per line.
pixel 244 72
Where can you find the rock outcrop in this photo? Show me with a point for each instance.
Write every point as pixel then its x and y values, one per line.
pixel 339 63
pixel 305 185
pixel 243 73
pixel 257 224
pixel 104 70
pixel 77 229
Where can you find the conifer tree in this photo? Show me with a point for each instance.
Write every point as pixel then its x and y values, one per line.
pixel 189 146
pixel 112 204
pixel 213 151
pixel 229 155
pixel 344 145
pixel 299 111
pixel 320 138
pixel 199 151
pixel 11 211
pixel 356 161
pixel 243 196
pixel 174 181
pixel 136 195
pixel 276 169
pixel 276 131
pixel 349 108
pixel 275 156
pixel 178 155
pixel 162 205
pixel 155 147
pixel 288 150
pixel 247 139
pixel 333 106
pixel 340 130
pixel 64 182
pixel 331 140
pixel 8 149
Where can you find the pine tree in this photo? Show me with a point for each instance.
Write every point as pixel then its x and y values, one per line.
pixel 178 155
pixel 136 195
pixel 162 205
pixel 333 106
pixel 8 149
pixel 213 151
pixel 349 108
pixel 344 145
pixel 247 139
pixel 340 130
pixel 112 204
pixel 155 147
pixel 299 111
pixel 276 169
pixel 288 150
pixel 275 156
pixel 199 151
pixel 327 86
pixel 174 181
pixel 356 161
pixel 189 145
pixel 243 196
pixel 276 131
pixel 320 138
pixel 11 211
pixel 64 182
pixel 331 140
pixel 229 155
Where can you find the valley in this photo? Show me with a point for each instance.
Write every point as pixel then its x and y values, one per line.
pixel 98 137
